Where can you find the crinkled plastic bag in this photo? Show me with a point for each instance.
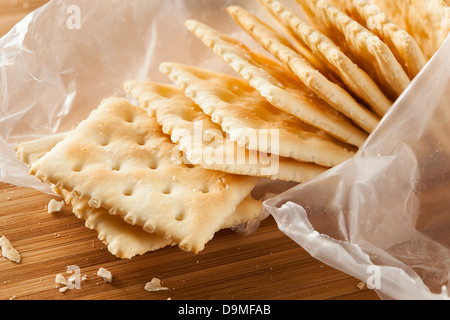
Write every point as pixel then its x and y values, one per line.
pixel 384 215
pixel 60 61
pixel 381 217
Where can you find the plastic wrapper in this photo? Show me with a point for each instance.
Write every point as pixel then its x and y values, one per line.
pixel 384 215
pixel 381 216
pixel 60 61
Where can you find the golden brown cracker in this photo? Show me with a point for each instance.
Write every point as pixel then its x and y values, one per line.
pixel 119 159
pixel 329 91
pixel 356 80
pixel 203 141
pixel 278 85
pixel 242 113
pixel 401 43
pixel 367 50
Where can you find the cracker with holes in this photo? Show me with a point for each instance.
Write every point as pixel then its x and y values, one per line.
pixel 367 50
pixel 428 21
pixel 119 159
pixel 242 112
pixel 355 79
pixel 203 141
pixel 329 91
pixel 402 44
pixel 278 85
pixel 122 239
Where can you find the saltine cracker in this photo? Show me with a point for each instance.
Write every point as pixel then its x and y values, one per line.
pixel 278 85
pixel 329 91
pixel 401 43
pixel 238 108
pixel 203 141
pixel 119 159
pixel 355 79
pixel 362 46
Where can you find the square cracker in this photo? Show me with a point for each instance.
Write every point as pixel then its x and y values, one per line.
pixel 355 79
pixel 362 46
pixel 203 141
pixel 278 85
pixel 312 78
pixel 120 160
pixel 238 109
pixel 122 239
pixel 401 43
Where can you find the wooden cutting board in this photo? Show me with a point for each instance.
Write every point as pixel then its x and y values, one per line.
pixel 264 265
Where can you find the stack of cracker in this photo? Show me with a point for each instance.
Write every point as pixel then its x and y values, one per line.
pixel 182 163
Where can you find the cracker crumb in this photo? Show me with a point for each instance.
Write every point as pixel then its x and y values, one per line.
pixel 8 251
pixel 154 285
pixel 361 285
pixel 54 206
pixel 105 274
pixel 60 279
pixel 63 289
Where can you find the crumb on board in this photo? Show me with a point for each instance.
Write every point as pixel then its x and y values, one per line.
pixel 154 285
pixel 63 289
pixel 60 279
pixel 8 251
pixel 105 274
pixel 361 285
pixel 54 206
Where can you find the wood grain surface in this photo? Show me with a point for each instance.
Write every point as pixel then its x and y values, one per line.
pixel 265 265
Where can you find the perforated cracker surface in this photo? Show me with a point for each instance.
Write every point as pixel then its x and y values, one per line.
pixel 120 160
pixel 278 85
pixel 279 47
pixel 356 80
pixel 203 141
pixel 241 110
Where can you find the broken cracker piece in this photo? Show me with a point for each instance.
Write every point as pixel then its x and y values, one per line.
pixel 154 285
pixel 8 251
pixel 60 279
pixel 105 274
pixel 54 206
pixel 361 285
